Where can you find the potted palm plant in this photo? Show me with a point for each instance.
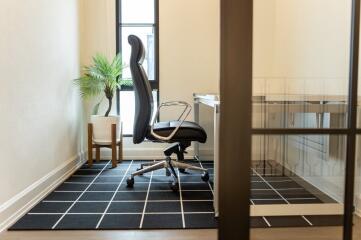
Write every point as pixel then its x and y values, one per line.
pixel 102 78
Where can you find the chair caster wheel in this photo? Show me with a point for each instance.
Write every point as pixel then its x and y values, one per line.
pixel 174 186
pixel 130 182
pixel 138 169
pixel 167 172
pixel 182 170
pixel 205 176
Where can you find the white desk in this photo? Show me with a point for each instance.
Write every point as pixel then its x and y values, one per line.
pixel 210 100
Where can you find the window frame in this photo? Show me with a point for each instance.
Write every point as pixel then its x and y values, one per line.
pixel 154 84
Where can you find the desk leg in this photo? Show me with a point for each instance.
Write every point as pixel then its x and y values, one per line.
pixel 196 119
pixel 216 159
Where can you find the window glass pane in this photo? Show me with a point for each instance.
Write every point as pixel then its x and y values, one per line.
pixel 146 34
pixel 137 11
pixel 127 106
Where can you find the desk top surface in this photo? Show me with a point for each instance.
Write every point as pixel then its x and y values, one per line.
pixel 295 103
pixel 280 98
pixel 209 96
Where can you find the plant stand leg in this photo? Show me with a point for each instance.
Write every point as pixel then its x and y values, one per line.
pixel 97 153
pixel 90 145
pixel 120 152
pixel 114 146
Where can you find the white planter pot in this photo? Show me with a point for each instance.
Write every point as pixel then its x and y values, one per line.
pixel 102 128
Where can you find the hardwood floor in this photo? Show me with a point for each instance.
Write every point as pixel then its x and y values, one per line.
pixel 316 233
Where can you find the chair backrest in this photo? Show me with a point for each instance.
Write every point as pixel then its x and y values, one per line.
pixel 142 91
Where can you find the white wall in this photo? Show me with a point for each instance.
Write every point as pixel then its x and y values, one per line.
pixel 97 29
pixel 40 110
pixel 97 35
pixel 263 42
pixel 189 48
pixel 189 52
pixel 301 46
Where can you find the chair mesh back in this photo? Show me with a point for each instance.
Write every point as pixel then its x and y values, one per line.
pixel 142 91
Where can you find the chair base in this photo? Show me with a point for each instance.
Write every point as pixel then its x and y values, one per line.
pixel 170 165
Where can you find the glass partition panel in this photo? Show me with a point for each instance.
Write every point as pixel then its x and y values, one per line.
pixel 357 217
pixel 206 120
pixel 298 181
pixel 301 63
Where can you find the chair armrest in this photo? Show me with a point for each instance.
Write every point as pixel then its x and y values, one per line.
pixel 182 117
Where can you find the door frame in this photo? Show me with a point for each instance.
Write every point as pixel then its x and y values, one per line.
pixel 235 118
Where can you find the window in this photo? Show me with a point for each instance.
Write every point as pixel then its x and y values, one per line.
pixel 140 18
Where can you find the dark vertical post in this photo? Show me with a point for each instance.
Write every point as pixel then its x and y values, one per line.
pixel 114 145
pixel 120 152
pixel 117 44
pixel 90 144
pixel 156 49
pixel 352 121
pixel 97 153
pixel 235 119
pixel 156 40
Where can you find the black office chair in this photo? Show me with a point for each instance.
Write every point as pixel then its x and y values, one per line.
pixel 178 132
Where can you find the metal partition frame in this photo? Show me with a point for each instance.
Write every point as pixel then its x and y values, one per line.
pixel 236 129
pixel 235 119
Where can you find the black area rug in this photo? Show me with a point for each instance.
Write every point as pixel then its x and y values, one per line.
pixel 98 198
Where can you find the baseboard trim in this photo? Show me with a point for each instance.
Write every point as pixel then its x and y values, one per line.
pixel 358 212
pixel 21 203
pixel 149 153
pixel 297 209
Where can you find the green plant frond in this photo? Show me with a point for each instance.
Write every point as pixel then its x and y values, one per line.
pixel 101 61
pixel 108 71
pixel 101 65
pixel 95 73
pixel 117 65
pixel 117 61
pixel 102 76
pixel 89 86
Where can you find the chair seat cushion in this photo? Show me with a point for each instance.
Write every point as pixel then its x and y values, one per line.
pixel 189 131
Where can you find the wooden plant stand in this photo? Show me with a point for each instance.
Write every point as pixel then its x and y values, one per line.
pixel 112 146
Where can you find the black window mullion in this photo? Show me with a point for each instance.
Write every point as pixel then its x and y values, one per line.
pixel 137 25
